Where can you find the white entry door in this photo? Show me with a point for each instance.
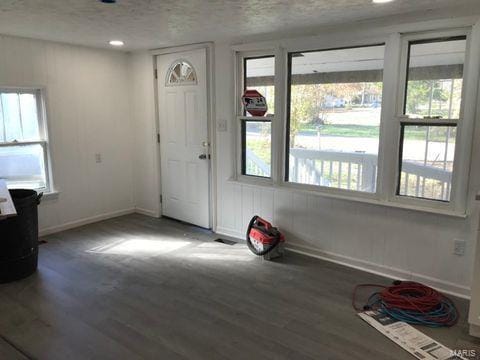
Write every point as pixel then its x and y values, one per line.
pixel 184 146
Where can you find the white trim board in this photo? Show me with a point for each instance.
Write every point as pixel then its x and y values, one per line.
pixel 97 218
pixel 230 232
pixel 181 48
pixel 211 118
pixel 381 270
pixel 331 36
pixel 85 221
pixel 146 212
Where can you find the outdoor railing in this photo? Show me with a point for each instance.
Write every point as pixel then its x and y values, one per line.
pixel 417 176
pixel 256 166
pixel 353 171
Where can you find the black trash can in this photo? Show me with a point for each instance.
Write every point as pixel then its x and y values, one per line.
pixel 19 237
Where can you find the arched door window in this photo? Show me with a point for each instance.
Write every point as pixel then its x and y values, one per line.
pixel 181 72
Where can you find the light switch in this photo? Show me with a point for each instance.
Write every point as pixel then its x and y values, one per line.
pixel 98 158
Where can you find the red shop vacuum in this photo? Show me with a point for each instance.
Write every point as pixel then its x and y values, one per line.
pixel 264 240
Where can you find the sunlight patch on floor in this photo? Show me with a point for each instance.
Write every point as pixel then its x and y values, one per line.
pixel 220 257
pixel 140 246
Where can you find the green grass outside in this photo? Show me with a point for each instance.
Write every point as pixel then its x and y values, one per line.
pixel 260 148
pixel 347 130
pixel 369 131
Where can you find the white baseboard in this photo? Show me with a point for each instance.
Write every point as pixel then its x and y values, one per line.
pixel 382 270
pixel 377 269
pixel 85 221
pixel 474 330
pixel 230 232
pixel 151 213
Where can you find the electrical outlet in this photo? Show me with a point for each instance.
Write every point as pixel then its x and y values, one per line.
pixel 459 246
pixel 222 124
pixel 98 158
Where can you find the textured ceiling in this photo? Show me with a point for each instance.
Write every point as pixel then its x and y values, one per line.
pixel 146 24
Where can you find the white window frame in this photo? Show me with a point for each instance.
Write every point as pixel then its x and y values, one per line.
pixel 325 189
pixel 457 203
pixel 39 94
pixel 240 117
pixel 394 82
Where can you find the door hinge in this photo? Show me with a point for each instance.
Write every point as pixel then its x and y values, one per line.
pixel 155 73
pixel 158 138
pixel 161 199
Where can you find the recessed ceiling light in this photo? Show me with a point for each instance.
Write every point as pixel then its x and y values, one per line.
pixel 116 43
pixel 381 1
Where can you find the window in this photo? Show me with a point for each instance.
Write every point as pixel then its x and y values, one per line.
pixel 346 122
pixel 435 78
pixel 335 101
pixel 181 72
pixel 23 140
pixel 427 154
pixel 259 73
pixel 432 106
pixel 256 132
pixel 257 145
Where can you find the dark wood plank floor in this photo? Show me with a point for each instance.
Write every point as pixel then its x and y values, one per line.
pixel 141 288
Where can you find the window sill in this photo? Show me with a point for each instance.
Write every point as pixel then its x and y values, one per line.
pixel 357 197
pixel 51 195
pixel 254 180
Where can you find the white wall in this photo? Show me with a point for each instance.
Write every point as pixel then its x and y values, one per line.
pixel 396 242
pixel 146 172
pixel 87 98
pixel 103 101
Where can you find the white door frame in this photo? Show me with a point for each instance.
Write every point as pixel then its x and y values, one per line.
pixel 209 47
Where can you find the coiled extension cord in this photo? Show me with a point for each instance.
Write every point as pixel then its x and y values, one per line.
pixel 411 302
